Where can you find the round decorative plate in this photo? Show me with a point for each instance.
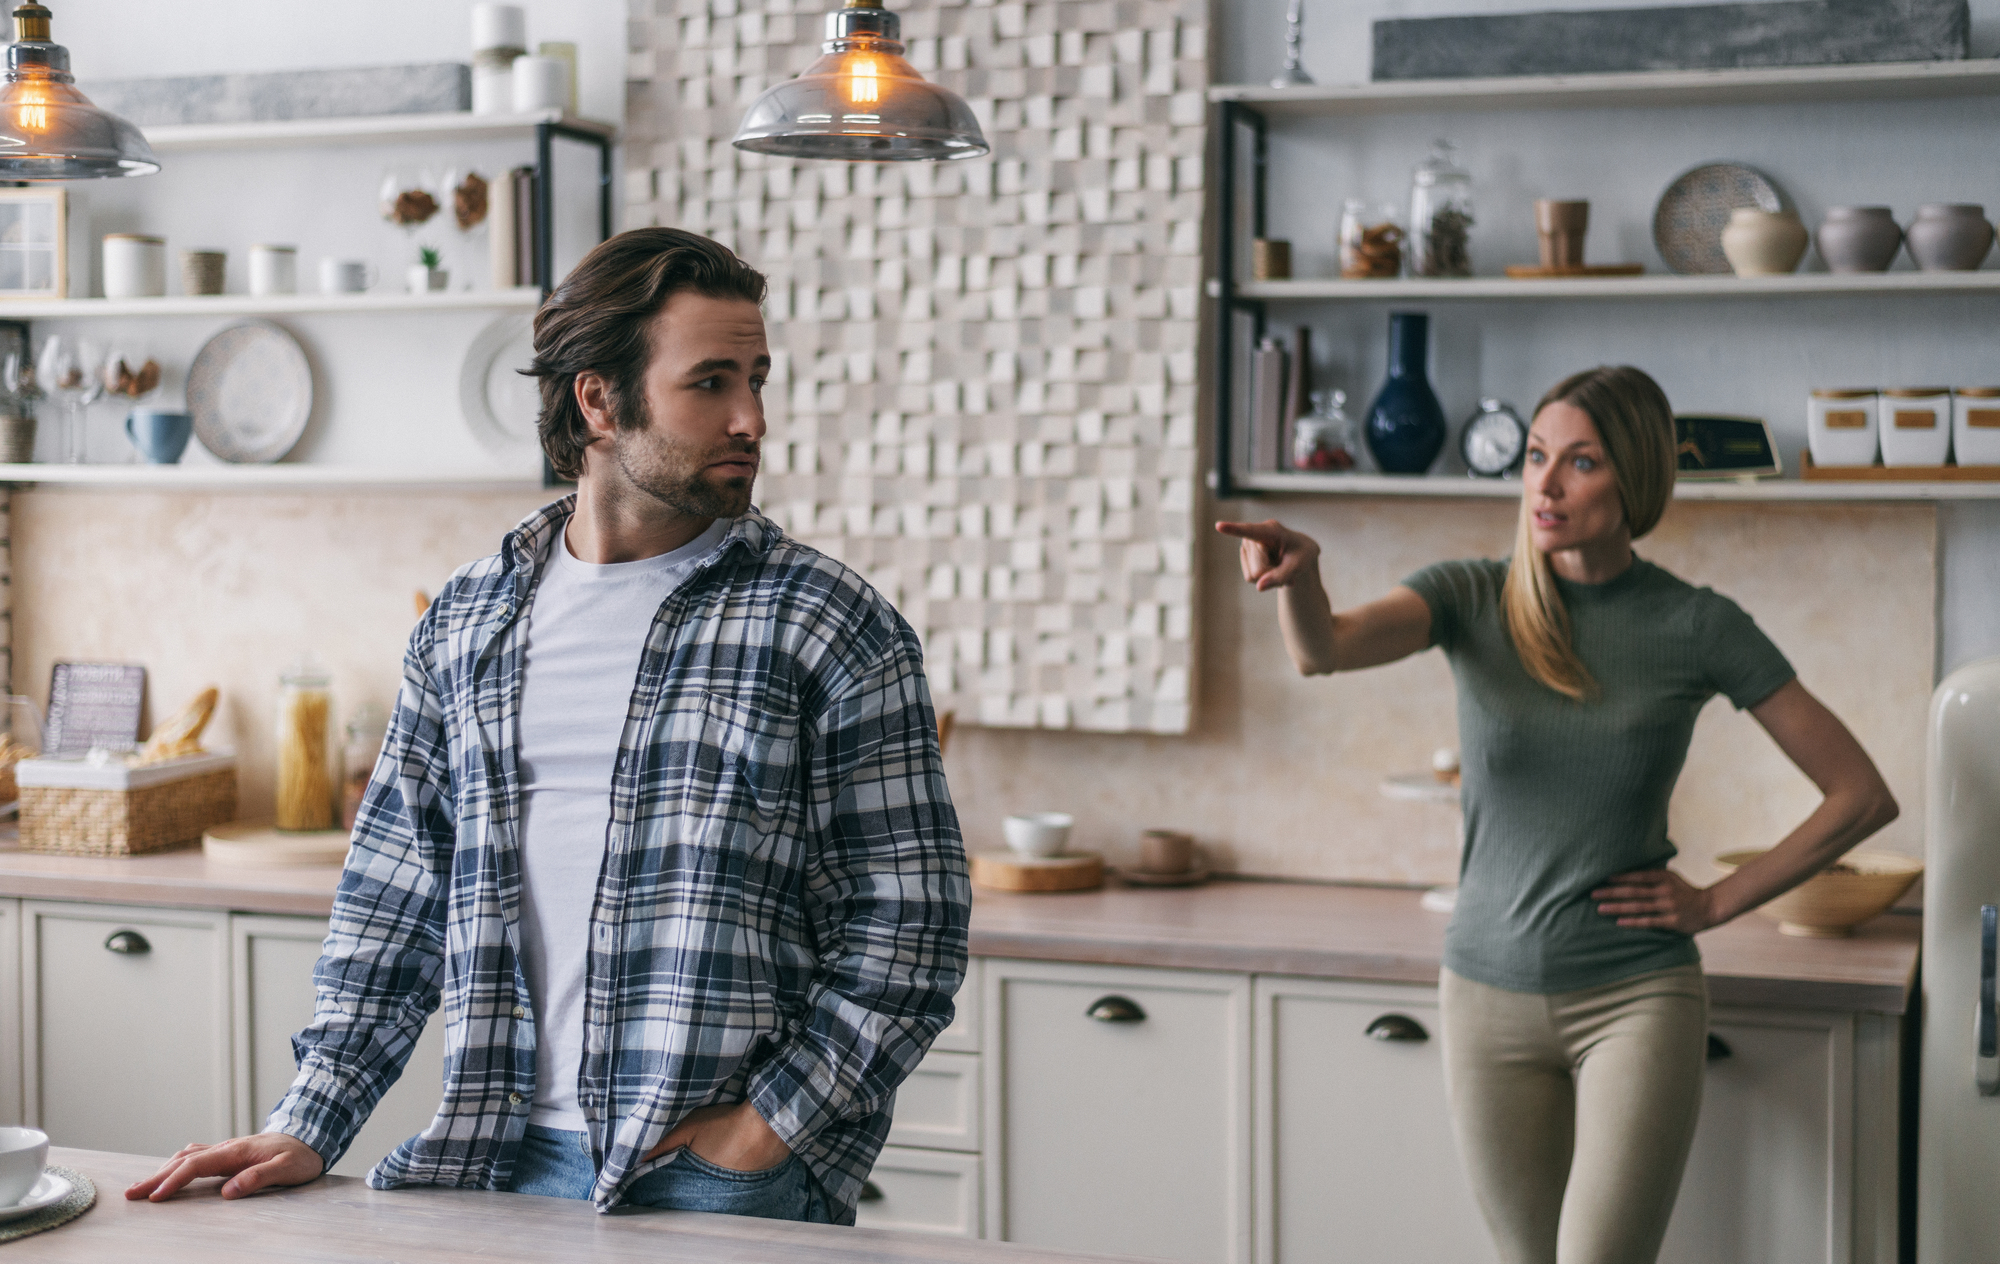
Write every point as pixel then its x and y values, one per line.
pixel 1688 222
pixel 501 407
pixel 250 391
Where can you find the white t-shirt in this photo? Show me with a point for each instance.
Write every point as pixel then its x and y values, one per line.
pixel 585 634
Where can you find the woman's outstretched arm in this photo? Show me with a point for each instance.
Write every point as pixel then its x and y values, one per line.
pixel 1857 803
pixel 1319 640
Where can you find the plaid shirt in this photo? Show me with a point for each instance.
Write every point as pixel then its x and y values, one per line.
pixel 781 913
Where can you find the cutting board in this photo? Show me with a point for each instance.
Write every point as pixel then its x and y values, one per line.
pixel 262 845
pixel 1008 871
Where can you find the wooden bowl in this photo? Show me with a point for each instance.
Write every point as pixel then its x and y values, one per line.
pixel 1831 903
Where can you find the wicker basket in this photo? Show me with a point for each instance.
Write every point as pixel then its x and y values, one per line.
pixel 77 810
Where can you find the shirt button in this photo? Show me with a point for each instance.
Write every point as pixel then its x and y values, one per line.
pixel 515 1098
pixel 520 1012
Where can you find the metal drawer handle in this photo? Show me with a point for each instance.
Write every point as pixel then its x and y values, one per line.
pixel 1985 1028
pixel 128 942
pixel 870 1193
pixel 1116 1009
pixel 1397 1027
pixel 1718 1048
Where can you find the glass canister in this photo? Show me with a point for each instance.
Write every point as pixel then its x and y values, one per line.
pixel 1323 441
pixel 1916 425
pixel 1440 232
pixel 305 748
pixel 365 732
pixel 1842 427
pixel 1371 241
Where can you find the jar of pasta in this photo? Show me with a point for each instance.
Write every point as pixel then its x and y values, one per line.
pixel 305 748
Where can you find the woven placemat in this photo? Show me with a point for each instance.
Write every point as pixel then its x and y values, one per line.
pixel 82 1197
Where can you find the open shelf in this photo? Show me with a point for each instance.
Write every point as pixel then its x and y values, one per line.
pixel 1446 486
pixel 524 298
pixel 1723 285
pixel 373 129
pixel 1778 84
pixel 279 477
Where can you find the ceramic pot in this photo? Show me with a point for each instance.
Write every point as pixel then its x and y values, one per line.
pixel 1949 238
pixel 1858 238
pixel 1405 427
pixel 1763 243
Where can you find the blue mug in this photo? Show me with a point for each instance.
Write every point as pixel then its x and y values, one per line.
pixel 159 435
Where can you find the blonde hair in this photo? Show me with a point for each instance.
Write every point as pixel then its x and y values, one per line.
pixel 1635 424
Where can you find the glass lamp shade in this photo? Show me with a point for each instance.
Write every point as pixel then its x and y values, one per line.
pixel 49 130
pixel 860 101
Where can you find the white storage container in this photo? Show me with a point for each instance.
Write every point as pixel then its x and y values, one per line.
pixel 1841 427
pixel 1916 425
pixel 1975 425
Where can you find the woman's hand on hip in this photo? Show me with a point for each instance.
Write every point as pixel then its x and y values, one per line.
pixel 1655 899
pixel 1273 555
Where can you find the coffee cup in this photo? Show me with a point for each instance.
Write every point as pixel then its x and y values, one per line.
pixel 1038 833
pixel 1165 851
pixel 159 436
pixel 274 270
pixel 24 1152
pixel 345 276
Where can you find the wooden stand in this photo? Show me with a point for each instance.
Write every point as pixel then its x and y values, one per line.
pixel 1895 473
pixel 1531 272
pixel 261 845
pixel 1008 871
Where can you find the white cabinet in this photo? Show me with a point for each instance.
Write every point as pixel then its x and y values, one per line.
pixel 273 995
pixel 1121 1103
pixel 10 1005
pixel 926 1191
pixel 1356 1159
pixel 937 1107
pixel 125 1025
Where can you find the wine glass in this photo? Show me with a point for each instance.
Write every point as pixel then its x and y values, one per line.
pixel 71 369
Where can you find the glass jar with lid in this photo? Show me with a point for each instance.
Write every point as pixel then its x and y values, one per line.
pixel 1371 241
pixel 1440 231
pixel 305 748
pixel 1324 441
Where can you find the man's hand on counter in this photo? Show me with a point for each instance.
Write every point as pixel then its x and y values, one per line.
pixel 265 1161
pixel 735 1137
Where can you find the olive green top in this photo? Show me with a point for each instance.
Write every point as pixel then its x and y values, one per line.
pixel 1559 794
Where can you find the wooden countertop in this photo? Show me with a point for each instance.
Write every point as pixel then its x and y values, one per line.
pixel 1311 929
pixel 337 1218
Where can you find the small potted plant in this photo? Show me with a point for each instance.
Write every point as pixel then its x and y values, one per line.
pixel 425 275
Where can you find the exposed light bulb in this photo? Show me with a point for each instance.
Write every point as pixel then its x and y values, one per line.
pixel 862 86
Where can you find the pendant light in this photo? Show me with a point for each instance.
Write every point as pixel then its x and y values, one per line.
pixel 49 130
pixel 861 101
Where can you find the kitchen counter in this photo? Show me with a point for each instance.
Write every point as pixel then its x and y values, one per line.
pixel 1310 929
pixel 337 1218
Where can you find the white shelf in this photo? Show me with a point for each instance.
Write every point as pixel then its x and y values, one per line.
pixel 1878 81
pixel 1724 285
pixel 1449 487
pixel 374 129
pixel 280 477
pixel 525 299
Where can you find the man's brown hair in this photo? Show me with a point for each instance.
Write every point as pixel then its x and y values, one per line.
pixel 597 321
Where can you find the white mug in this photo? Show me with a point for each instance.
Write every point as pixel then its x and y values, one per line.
pixel 1038 833
pixel 24 1152
pixel 274 270
pixel 135 265
pixel 540 83
pixel 345 276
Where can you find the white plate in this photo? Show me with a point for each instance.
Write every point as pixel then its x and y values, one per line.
pixel 46 1192
pixel 251 392
pixel 500 406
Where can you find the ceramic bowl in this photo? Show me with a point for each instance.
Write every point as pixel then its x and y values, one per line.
pixel 1038 833
pixel 1830 904
pixel 24 1152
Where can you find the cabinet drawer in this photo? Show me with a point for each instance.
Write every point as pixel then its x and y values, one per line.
pixel 127 1026
pixel 922 1190
pixel 938 1106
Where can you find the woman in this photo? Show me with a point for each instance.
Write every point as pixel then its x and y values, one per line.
pixel 1574 1009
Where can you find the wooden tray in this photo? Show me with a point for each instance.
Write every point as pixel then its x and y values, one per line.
pixel 261 845
pixel 1006 871
pixel 1896 473
pixel 1530 272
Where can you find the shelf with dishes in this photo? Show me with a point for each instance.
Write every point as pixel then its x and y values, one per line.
pixel 1660 286
pixel 270 477
pixel 518 298
pixel 1785 490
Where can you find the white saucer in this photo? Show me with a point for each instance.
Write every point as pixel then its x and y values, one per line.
pixel 46 1192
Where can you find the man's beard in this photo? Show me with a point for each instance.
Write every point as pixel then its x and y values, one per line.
pixel 675 473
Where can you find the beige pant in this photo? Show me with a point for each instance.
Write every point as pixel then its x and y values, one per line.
pixel 1575 1111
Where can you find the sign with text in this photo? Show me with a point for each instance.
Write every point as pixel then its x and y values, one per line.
pixel 94 704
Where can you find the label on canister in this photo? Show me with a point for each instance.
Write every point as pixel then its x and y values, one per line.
pixel 1846 419
pixel 1983 418
pixel 1915 419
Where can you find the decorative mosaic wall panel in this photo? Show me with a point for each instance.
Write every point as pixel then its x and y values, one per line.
pixel 984 396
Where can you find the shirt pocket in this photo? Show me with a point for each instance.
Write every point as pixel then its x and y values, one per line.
pixel 739 787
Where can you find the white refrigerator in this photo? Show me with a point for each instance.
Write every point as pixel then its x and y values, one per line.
pixel 1958 1148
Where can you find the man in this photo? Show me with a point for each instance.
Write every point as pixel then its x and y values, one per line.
pixel 661 819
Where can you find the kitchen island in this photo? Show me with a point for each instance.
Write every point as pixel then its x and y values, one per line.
pixel 338 1218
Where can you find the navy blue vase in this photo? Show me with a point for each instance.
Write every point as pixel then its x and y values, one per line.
pixel 1405 426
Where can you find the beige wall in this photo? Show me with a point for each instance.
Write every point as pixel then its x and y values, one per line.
pixel 1279 776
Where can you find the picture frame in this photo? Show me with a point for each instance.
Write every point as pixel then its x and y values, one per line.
pixel 34 243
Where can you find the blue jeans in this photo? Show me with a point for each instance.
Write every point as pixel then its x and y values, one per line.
pixel 558 1164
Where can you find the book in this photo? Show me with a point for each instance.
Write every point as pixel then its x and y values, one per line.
pixel 502 241
pixel 525 226
pixel 1269 374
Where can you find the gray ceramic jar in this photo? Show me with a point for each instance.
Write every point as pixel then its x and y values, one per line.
pixel 1858 238
pixel 1946 237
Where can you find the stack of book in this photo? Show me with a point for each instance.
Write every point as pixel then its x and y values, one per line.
pixel 514 230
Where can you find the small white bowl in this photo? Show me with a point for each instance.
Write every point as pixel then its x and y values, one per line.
pixel 1038 833
pixel 24 1152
